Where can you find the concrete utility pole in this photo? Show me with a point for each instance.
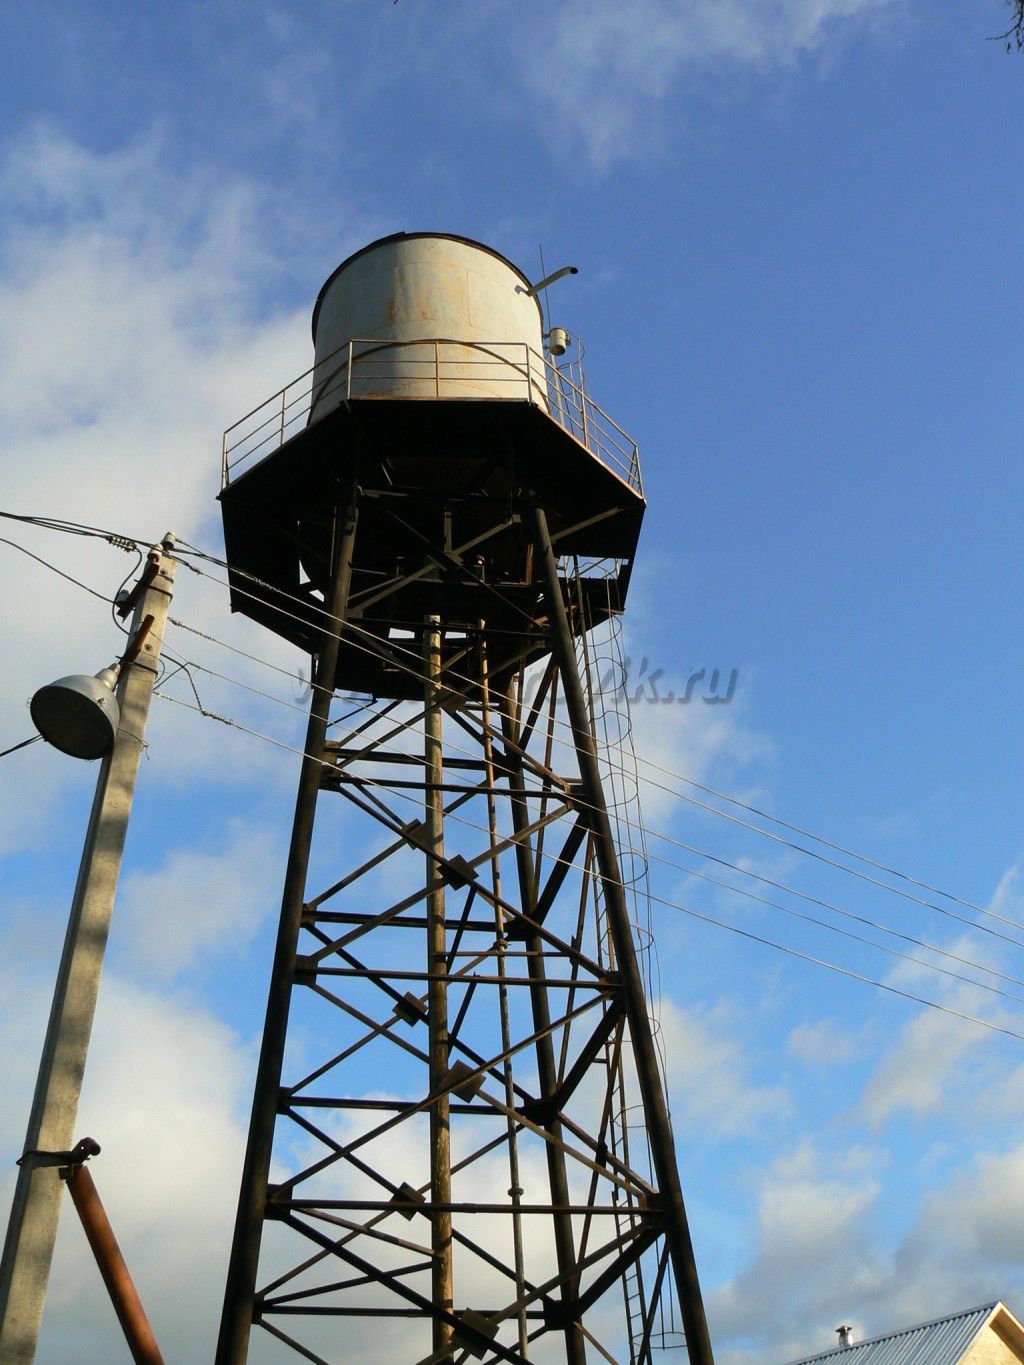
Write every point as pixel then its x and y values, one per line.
pixel 32 1230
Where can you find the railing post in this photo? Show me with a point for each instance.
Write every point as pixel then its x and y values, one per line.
pixel 348 371
pixel 284 396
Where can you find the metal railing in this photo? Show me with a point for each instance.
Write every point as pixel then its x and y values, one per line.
pixel 428 368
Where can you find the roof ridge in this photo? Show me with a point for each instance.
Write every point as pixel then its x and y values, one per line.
pixel 988 1307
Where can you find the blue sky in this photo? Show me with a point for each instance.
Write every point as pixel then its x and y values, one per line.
pixel 796 226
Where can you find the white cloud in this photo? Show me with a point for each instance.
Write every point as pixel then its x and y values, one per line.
pixel 164 1095
pixel 812 1258
pixel 1008 897
pixel 917 1072
pixel 824 1043
pixel 936 1056
pixel 200 901
pixel 709 1074
pixel 985 1207
pixel 608 65
pixel 131 336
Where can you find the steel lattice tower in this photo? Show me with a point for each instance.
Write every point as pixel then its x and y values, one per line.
pixel 458 1083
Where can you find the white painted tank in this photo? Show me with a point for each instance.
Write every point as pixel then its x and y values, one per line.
pixel 426 315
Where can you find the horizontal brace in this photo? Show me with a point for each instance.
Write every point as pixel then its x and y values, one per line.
pixel 642 1215
pixel 477 926
pixel 368 1312
pixel 333 781
pixel 375 755
pixel 305 967
pixel 293 1101
pixel 388 1106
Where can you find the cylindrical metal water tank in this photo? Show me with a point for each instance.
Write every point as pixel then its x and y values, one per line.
pixel 426 315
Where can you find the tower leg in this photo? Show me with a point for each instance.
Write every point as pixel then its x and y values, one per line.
pixel 659 1127
pixel 233 1344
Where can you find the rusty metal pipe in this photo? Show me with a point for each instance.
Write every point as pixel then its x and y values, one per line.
pixel 123 1294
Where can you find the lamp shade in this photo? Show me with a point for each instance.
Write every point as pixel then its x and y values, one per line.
pixel 78 715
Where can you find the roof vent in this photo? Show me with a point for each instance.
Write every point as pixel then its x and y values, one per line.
pixel 845 1334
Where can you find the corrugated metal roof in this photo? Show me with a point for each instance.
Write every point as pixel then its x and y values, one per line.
pixel 942 1342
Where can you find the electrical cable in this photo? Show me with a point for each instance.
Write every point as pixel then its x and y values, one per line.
pixel 189 664
pixel 852 871
pixel 746 872
pixel 131 543
pixel 254 658
pixel 68 527
pixel 807 834
pixel 33 739
pixel 327 764
pixel 881 947
pixel 988 913
pixel 118 622
pixel 127 543
pixel 46 563
pixel 951 914
pixel 185 546
pixel 843 971
pixel 659 900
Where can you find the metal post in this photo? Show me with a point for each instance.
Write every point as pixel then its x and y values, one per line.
pixel 437 995
pixel 120 1286
pixel 32 1230
pixel 515 1191
pixel 677 1233
pixel 236 1322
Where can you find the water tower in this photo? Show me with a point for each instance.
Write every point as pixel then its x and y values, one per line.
pixel 459 1144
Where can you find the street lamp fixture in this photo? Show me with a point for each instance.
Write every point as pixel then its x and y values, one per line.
pixel 79 715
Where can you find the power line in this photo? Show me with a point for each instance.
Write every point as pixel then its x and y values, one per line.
pixel 255 658
pixel 881 947
pixel 393 793
pixel 46 564
pixel 853 872
pixel 843 971
pixel 128 543
pixel 809 834
pixel 33 739
pixel 849 871
pixel 746 872
pixel 189 664
pixel 76 528
pixel 781 886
